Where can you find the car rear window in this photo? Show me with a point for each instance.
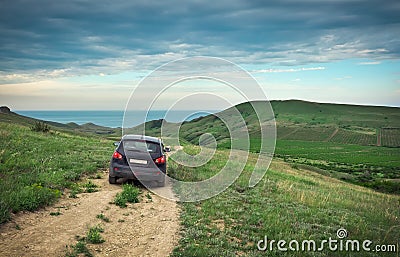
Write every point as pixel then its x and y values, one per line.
pixel 141 146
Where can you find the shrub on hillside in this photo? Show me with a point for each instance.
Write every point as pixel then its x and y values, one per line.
pixel 40 127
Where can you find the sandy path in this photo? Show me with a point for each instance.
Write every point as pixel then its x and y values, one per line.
pixel 148 228
pixel 332 135
pixel 378 137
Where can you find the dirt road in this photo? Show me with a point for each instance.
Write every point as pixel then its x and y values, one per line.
pixel 147 228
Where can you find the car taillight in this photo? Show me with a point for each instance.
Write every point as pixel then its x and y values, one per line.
pixel 117 155
pixel 160 160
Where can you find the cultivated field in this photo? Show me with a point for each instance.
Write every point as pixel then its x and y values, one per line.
pixel 390 137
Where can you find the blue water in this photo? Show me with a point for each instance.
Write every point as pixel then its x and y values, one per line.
pixel 113 119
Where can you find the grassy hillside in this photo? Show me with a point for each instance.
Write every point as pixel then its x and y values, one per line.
pixel 359 144
pixel 306 121
pixel 342 115
pixel 288 204
pixel 36 167
pixel 14 118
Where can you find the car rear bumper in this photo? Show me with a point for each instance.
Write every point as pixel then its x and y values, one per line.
pixel 144 174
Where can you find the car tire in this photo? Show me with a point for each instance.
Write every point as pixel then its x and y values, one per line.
pixel 112 180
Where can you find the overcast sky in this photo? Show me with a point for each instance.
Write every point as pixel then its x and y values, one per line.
pixel 81 54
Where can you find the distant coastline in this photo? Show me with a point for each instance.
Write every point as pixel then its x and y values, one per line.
pixel 113 119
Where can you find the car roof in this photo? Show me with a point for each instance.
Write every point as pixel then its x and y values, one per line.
pixel 141 137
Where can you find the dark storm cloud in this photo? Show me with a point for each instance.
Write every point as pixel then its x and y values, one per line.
pixel 49 35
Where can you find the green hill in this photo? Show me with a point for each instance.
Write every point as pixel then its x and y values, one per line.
pixel 359 144
pixel 342 115
pixel 300 120
pixel 7 116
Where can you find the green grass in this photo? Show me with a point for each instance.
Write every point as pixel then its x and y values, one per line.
pixel 90 187
pixel 98 175
pixel 148 196
pixel 56 213
pixel 202 173
pixel 75 190
pixel 340 153
pixel 103 217
pixel 93 235
pixel 371 166
pixel 36 167
pixel 302 112
pixel 287 204
pixel 78 249
pixel 129 194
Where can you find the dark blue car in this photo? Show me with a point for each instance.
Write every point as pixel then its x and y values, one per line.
pixel 139 158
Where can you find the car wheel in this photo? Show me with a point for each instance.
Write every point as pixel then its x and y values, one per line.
pixel 112 180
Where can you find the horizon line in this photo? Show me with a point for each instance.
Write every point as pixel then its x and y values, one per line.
pixel 274 100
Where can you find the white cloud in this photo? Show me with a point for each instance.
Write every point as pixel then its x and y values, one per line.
pixel 373 51
pixel 289 70
pixel 369 63
pixel 61 95
pixel 38 75
pixel 130 62
pixel 343 78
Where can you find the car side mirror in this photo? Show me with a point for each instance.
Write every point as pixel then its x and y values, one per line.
pixel 116 143
pixel 167 149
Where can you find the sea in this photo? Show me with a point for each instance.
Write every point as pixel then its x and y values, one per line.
pixel 115 119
